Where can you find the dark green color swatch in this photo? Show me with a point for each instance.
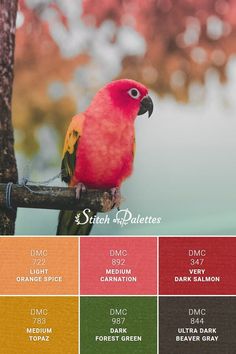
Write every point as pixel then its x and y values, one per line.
pixel 118 325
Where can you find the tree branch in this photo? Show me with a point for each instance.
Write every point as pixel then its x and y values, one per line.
pixel 61 198
pixel 8 168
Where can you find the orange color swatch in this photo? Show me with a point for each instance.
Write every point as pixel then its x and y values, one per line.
pixel 39 266
pixel 39 325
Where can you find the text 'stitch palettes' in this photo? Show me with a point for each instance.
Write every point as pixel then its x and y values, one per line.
pixel 118 295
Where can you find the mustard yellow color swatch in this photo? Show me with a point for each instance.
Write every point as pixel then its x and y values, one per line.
pixel 39 325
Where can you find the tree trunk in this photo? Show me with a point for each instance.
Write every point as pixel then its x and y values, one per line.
pixel 8 168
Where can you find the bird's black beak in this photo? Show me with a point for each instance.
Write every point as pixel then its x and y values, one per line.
pixel 146 105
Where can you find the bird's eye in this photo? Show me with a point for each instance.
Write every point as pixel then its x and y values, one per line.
pixel 134 93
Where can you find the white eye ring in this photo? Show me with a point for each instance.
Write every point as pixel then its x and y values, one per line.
pixel 134 93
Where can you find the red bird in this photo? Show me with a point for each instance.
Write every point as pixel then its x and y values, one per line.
pixel 100 143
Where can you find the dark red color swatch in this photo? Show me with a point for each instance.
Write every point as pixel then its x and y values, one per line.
pixel 197 265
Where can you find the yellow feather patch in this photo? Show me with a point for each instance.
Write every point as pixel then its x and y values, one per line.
pixel 73 133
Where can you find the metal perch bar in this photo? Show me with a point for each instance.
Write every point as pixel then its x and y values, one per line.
pixel 61 198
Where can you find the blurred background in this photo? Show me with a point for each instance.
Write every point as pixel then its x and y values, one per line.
pixel 185 52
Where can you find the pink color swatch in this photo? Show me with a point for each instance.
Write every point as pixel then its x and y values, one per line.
pixel 118 266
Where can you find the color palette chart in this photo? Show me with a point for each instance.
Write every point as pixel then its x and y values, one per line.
pixel 117 295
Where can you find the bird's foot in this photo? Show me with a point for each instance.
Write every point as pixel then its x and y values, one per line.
pixel 116 197
pixel 80 187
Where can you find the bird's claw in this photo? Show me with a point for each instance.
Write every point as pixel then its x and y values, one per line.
pixel 116 197
pixel 80 187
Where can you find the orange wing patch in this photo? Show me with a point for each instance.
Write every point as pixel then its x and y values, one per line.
pixel 73 134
